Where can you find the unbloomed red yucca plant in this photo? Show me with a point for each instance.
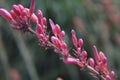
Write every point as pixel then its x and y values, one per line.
pixel 20 18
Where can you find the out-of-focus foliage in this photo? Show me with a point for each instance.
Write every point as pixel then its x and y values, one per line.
pixel 96 21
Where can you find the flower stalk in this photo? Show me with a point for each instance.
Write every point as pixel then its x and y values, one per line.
pixel 21 18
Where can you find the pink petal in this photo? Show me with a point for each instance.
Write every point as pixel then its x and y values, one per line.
pixel 4 13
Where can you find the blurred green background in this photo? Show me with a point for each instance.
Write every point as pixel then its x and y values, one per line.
pixel 96 21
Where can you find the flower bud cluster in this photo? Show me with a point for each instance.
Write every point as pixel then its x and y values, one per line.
pixel 58 39
pixel 41 29
pixel 100 64
pixel 20 18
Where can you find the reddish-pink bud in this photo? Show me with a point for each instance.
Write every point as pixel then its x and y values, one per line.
pixel 62 34
pixel 56 41
pixel 63 45
pixel 39 29
pixel 13 14
pixel 80 42
pixel 70 60
pixel 102 57
pixel 65 51
pixel 91 62
pixel 108 77
pixel 22 9
pixel 112 74
pixel 78 51
pixel 84 55
pixel 16 9
pixel 41 36
pixel 26 11
pixel 39 14
pixel 57 29
pixel 4 13
pixel 32 6
pixel 34 18
pixel 53 26
pixel 74 38
pixel 44 21
pixel 96 55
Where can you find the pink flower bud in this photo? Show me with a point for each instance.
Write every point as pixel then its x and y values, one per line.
pixel 96 55
pixel 63 45
pixel 22 10
pixel 16 9
pixel 27 11
pixel 41 37
pixel 56 42
pixel 84 55
pixel 39 14
pixel 57 29
pixel 102 57
pixel 65 51
pixel 34 18
pixel 112 74
pixel 44 21
pixel 32 6
pixel 74 38
pixel 4 13
pixel 70 60
pixel 21 7
pixel 108 77
pixel 62 34
pixel 52 26
pixel 91 62
pixel 13 14
pixel 78 51
pixel 80 42
pixel 39 29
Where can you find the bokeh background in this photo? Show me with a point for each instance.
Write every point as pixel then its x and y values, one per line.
pixel 96 21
